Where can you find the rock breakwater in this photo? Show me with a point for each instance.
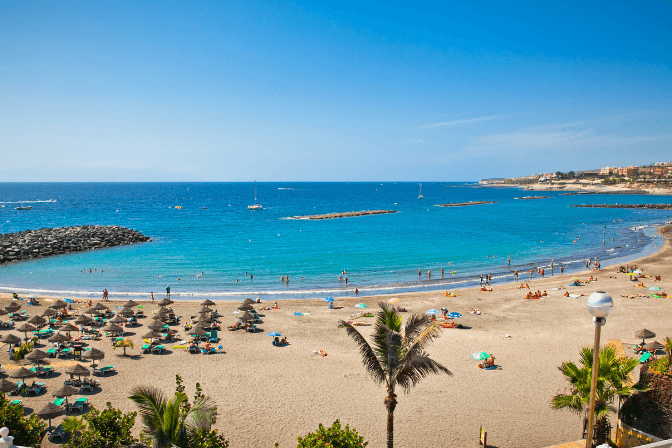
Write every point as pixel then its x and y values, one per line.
pixel 464 204
pixel 345 214
pixel 63 240
pixel 649 206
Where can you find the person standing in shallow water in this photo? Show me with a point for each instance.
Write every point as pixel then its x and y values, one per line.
pixel 168 291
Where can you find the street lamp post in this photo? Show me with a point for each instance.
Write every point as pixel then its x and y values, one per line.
pixel 599 305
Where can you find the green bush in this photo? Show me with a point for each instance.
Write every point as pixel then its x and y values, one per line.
pixel 73 424
pixel 205 438
pixel 106 429
pixel 25 430
pixel 659 366
pixel 334 437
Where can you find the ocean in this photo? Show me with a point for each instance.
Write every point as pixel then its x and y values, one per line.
pixel 213 242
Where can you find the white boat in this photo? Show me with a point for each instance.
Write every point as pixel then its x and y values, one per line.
pixel 420 196
pixel 27 207
pixel 256 205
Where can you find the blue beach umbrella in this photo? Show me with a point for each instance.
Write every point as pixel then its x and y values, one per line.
pixel 655 288
pixel 65 299
pixel 454 315
pixel 329 299
pixel 433 311
pixel 360 305
pixel 479 356
pixel 274 334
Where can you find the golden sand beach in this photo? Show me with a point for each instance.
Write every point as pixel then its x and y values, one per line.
pixel 268 394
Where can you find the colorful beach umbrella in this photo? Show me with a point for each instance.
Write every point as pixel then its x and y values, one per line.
pixel 360 305
pixel 329 299
pixel 454 315
pixel 274 334
pixel 480 356
pixel 655 288
pixel 394 300
pixel 433 312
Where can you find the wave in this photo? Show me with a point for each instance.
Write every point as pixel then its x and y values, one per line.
pixel 27 202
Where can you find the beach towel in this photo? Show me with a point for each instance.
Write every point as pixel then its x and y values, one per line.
pixel 176 347
pixel 575 295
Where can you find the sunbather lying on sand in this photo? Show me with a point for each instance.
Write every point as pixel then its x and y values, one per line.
pixel 450 294
pixel 475 312
pixel 320 352
pixel 483 288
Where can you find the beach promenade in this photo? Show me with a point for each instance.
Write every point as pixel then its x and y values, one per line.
pixel 268 394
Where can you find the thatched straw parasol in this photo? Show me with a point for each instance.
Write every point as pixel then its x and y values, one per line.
pixel 246 316
pixel 93 354
pixel 126 312
pixel 37 355
pixel 13 307
pixel 69 327
pixel 111 328
pixel 58 337
pixel 130 304
pixel 118 320
pixel 207 302
pixel 197 331
pixel 151 334
pixel 49 312
pixel 245 307
pixel 2 312
pixel 22 372
pixel 25 328
pixel 93 311
pixel 50 411
pixel 163 312
pixel 165 302
pixel 10 339
pixel 7 386
pixel 99 307
pixel 247 301
pixel 645 334
pixel 78 370
pixel 59 304
pixel 83 320
pixel 65 391
pixel 155 325
pixel 654 346
pixel 37 320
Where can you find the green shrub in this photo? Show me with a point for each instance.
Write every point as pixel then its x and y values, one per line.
pixel 73 424
pixel 333 437
pixel 25 430
pixel 205 438
pixel 106 429
pixel 659 366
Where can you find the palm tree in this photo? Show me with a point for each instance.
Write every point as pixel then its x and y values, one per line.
pixel 168 422
pixel 124 343
pixel 613 380
pixel 396 356
pixel 668 349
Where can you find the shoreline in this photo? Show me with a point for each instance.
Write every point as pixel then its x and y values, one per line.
pixel 302 389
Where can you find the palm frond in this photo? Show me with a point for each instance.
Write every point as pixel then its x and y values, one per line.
pixel 173 419
pixel 388 317
pixel 151 405
pixel 415 325
pixel 572 402
pixel 371 362
pixel 415 368
pixel 202 414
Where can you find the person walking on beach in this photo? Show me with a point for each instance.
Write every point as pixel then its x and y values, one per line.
pixel 481 279
pixel 152 294
pixel 542 272
pixel 168 291
pixel 441 272
pixel 515 274
pixel 531 272
pixel 562 269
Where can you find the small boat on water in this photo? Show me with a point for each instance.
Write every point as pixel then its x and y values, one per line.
pixel 27 207
pixel 256 205
pixel 420 196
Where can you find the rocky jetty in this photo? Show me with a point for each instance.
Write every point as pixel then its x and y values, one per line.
pixel 45 242
pixel 345 215
pixel 649 206
pixel 580 193
pixel 464 204
pixel 534 197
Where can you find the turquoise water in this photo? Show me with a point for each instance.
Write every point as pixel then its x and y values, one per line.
pixel 215 234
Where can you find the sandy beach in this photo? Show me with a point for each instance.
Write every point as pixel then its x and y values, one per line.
pixel 267 394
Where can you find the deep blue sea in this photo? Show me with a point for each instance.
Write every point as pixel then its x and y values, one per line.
pixel 214 240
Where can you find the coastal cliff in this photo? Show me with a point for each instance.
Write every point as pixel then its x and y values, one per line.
pixel 45 242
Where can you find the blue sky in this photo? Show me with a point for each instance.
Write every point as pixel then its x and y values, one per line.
pixel 330 91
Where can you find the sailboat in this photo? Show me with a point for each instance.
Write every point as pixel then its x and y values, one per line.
pixel 25 207
pixel 256 205
pixel 420 196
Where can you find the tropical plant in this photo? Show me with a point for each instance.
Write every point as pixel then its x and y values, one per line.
pixel 659 366
pixel 333 437
pixel 175 421
pixel 26 431
pixel 124 343
pixel 396 356
pixel 613 380
pixel 73 424
pixel 105 429
pixel 668 349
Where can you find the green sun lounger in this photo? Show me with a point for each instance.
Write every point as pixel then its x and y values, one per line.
pixel 645 357
pixel 51 352
pixel 78 404
pixel 158 349
pixel 59 401
pixel 104 370
pixel 146 348
pixel 15 402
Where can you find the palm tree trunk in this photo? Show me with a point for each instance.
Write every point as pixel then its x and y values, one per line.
pixel 390 404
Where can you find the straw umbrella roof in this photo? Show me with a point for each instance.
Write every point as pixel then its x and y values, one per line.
pixel 125 311
pixel 198 331
pixel 118 320
pixel 162 312
pixel 10 339
pixel 65 391
pixel 246 316
pixel 94 353
pixel 25 328
pixel 83 320
pixel 22 372
pixel 99 307
pixel 654 346
pixel 2 312
pixel 645 334
pixel 78 370
pixel 50 411
pixel 151 334
pixel 13 307
pixel 37 320
pixel 69 327
pixel 112 328
pixel 245 307
pixel 7 386
pixel 36 355
pixel 165 302
pixel 207 302
pixel 93 311
pixel 58 337
pixel 130 304
pixel 155 325
pixel 59 304
pixel 200 325
pixel 48 312
pixel 247 301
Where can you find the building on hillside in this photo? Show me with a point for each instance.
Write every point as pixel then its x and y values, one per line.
pixel 628 172
pixel 606 171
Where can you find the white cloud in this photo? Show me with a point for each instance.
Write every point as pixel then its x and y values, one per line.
pixel 456 122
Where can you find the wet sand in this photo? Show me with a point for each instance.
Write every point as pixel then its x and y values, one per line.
pixel 268 394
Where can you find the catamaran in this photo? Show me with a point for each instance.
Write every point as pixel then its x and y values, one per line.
pixel 256 205
pixel 420 196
